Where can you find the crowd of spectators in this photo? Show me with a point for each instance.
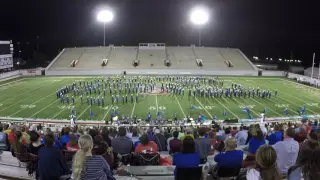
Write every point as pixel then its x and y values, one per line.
pixel 270 151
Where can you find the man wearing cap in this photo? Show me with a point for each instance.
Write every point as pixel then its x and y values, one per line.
pixel 231 158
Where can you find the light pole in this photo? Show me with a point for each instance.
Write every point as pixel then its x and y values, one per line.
pixel 199 17
pixel 105 16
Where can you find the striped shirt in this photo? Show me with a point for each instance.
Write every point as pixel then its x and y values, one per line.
pixel 96 168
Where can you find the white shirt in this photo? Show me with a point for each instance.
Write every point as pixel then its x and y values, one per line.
pixel 287 154
pixel 242 137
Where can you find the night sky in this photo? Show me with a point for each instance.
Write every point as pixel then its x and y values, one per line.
pixel 266 28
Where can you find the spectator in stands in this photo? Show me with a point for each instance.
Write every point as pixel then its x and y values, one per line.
pixel 256 141
pixel 135 135
pixel 121 144
pixel 188 157
pixel 18 145
pixel 187 132
pixel 266 168
pixel 51 163
pixel 213 141
pixel 203 145
pixel 312 140
pixel 242 136
pixel 308 167
pixel 227 134
pixel 11 134
pixel 4 142
pixel 88 166
pixel 25 135
pixel 106 137
pixel 287 151
pixel 175 144
pixel 6 129
pixel 35 144
pixel 65 137
pixel 57 143
pixel 231 158
pixel 234 131
pixel 102 148
pixel 160 140
pixel 146 145
pixel 93 133
pixel 72 145
pixel 276 136
pixel 301 135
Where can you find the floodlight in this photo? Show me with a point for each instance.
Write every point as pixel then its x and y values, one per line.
pixel 105 16
pixel 199 16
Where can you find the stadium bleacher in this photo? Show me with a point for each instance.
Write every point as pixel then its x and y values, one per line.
pixel 180 57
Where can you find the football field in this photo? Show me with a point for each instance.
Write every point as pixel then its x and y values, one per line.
pixel 35 97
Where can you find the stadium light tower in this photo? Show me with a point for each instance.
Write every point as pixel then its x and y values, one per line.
pixel 199 16
pixel 105 16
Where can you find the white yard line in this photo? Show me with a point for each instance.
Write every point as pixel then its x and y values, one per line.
pixel 263 105
pixel 84 111
pixel 32 104
pixel 203 107
pixel 289 100
pixel 180 106
pixel 11 82
pixel 227 109
pixel 63 109
pixel 45 107
pixel 23 94
pixel 157 103
pixel 234 98
pixel 107 112
pixel 134 106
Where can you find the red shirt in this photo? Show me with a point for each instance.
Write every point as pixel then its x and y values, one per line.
pixel 11 138
pixel 150 147
pixel 72 148
pixel 175 145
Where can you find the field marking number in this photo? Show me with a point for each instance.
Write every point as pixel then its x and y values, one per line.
pixel 27 106
pixel 154 108
pixel 209 107
pixel 107 107
pixel 1 105
pixel 282 105
pixel 65 107
pixel 312 104
pixel 247 106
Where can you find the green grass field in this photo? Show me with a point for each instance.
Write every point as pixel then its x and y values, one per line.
pixel 35 97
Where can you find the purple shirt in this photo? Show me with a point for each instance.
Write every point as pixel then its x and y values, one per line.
pixel 287 153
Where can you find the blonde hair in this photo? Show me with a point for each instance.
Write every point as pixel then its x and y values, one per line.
pixel 266 157
pixel 85 143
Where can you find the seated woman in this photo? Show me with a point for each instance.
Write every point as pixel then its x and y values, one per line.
pixel 188 157
pixel 308 165
pixel 231 158
pixel 256 141
pixel 88 166
pixel 72 145
pixel 266 167
pixel 101 147
pixel 35 144
pixel 18 144
pixel 146 145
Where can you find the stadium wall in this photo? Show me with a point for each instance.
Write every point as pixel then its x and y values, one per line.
pixel 273 73
pixel 10 75
pixel 78 72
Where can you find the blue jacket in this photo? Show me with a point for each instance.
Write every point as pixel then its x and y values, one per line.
pixel 56 145
pixel 181 160
pixel 254 145
pixel 229 159
pixel 274 137
pixel 51 163
pixel 65 139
